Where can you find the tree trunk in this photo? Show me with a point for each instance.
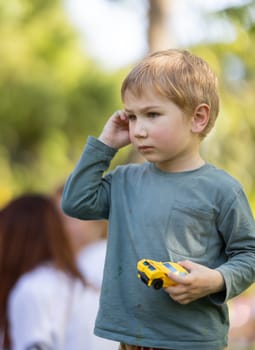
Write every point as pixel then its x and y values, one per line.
pixel 159 16
pixel 159 38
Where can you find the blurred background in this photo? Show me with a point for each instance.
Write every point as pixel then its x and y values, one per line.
pixel 61 67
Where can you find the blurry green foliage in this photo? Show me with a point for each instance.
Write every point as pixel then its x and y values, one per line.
pixel 231 144
pixel 51 96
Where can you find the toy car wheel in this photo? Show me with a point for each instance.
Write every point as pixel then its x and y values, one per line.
pixel 157 283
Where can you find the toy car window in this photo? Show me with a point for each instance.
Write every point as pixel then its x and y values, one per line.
pixel 170 267
pixel 150 267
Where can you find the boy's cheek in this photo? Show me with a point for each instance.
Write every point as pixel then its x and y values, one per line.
pixel 131 135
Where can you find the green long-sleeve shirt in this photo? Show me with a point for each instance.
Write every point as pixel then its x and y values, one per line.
pixel 201 215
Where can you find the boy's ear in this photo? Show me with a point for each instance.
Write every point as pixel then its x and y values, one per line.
pixel 200 118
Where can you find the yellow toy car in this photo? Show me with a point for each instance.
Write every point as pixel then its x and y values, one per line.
pixel 155 273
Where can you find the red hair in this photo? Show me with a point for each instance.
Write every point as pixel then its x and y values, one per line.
pixel 31 233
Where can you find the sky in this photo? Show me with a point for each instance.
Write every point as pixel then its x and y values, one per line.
pixel 114 33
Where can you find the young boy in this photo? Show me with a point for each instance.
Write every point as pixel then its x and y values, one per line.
pixel 174 207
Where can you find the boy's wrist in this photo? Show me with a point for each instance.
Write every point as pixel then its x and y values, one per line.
pixel 107 141
pixel 218 284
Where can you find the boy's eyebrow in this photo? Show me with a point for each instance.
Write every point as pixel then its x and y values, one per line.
pixel 144 109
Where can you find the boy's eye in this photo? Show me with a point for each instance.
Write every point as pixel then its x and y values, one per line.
pixel 131 117
pixel 152 114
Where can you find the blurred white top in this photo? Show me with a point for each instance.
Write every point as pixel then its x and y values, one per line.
pixel 91 262
pixel 46 306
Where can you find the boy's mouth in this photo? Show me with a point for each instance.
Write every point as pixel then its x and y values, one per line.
pixel 145 148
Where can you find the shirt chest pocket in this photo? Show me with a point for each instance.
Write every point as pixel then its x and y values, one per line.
pixel 189 230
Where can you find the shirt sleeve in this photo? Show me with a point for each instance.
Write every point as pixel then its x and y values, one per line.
pixel 87 193
pixel 29 320
pixel 237 226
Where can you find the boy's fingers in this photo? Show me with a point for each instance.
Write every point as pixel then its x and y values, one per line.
pixel 120 115
pixel 187 264
pixel 177 278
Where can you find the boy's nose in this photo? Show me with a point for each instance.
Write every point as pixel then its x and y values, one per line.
pixel 140 130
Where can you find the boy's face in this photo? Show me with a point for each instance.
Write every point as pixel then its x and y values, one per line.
pixel 161 132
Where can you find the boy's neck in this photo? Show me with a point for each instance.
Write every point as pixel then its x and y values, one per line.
pixel 182 165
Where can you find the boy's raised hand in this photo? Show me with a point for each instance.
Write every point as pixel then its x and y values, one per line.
pixel 116 131
pixel 200 281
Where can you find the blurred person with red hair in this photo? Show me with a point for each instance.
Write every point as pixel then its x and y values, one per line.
pixel 42 294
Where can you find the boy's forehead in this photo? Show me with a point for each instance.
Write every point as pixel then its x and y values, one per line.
pixel 146 94
pixel 146 99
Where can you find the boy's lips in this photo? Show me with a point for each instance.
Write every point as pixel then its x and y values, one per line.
pixel 145 148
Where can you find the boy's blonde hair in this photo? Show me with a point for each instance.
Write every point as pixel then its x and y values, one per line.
pixel 187 80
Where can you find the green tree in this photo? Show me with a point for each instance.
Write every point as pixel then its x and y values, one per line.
pixel 231 145
pixel 51 95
